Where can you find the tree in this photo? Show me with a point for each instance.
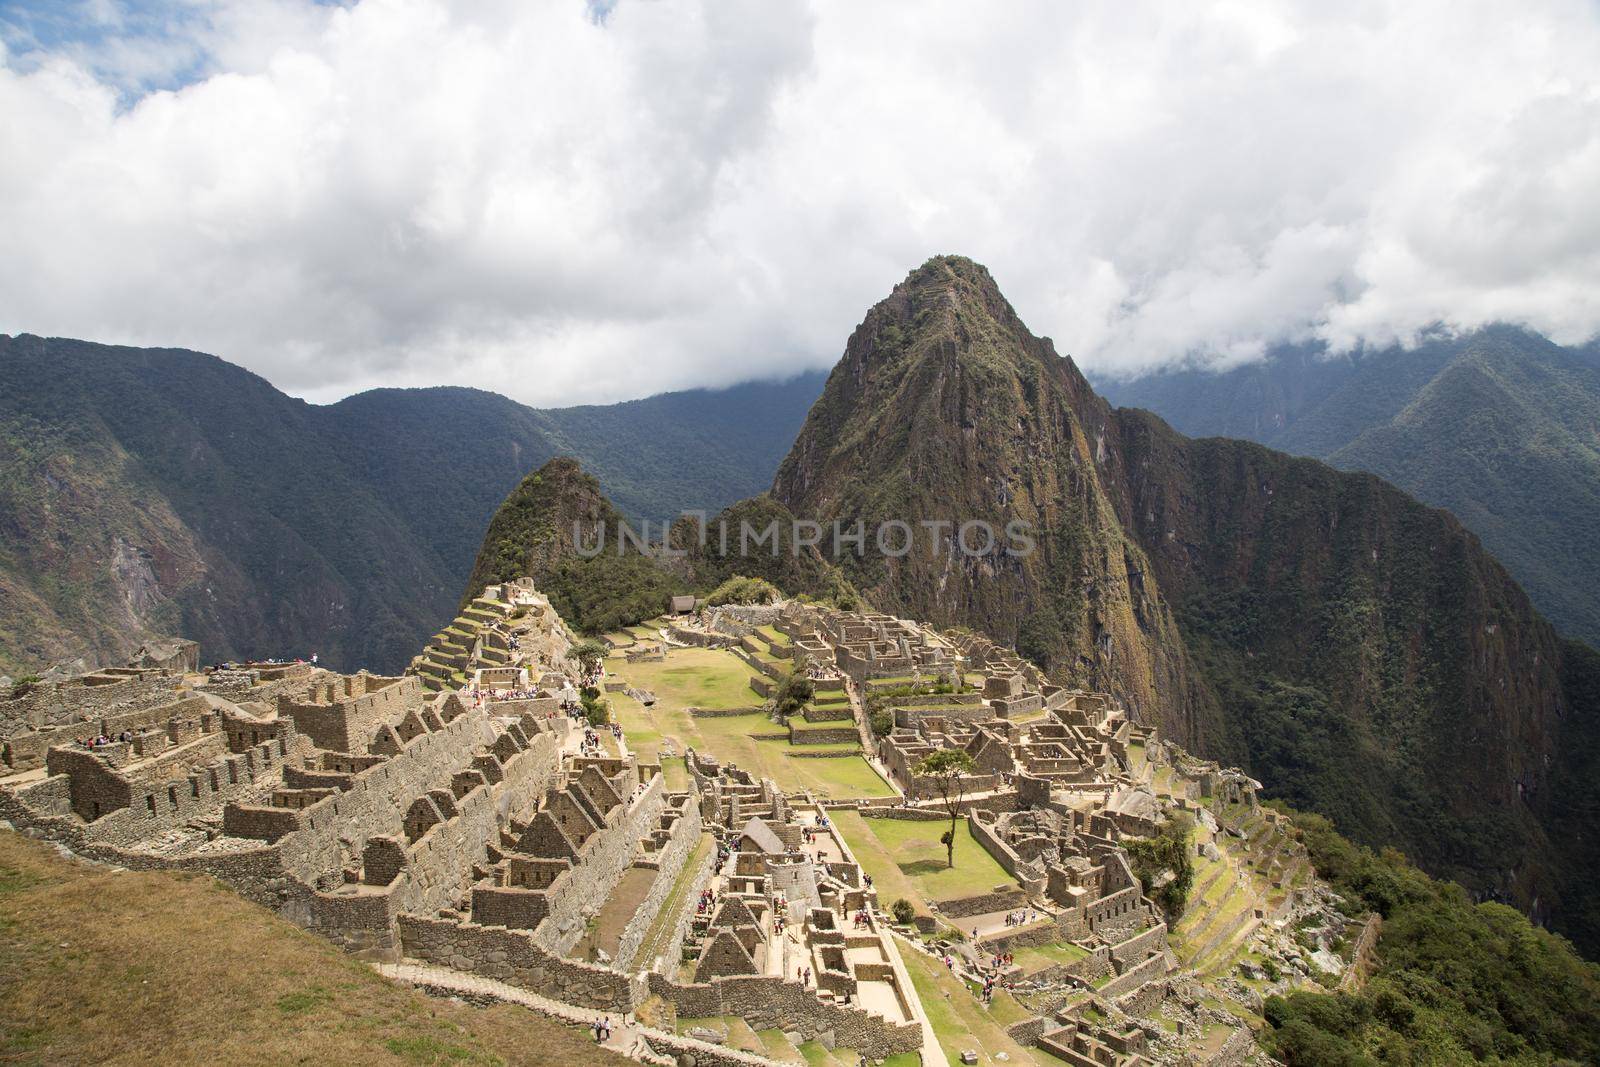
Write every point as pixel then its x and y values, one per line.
pixel 589 654
pixel 596 709
pixel 949 769
pixel 742 590
pixel 793 693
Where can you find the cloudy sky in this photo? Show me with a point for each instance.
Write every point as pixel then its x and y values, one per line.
pixel 571 202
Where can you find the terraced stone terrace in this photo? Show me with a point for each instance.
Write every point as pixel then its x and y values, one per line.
pixel 822 757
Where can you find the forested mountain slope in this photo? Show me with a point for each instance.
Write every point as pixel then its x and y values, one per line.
pixel 147 491
pixel 1499 426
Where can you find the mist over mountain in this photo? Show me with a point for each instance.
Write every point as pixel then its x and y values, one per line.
pixel 1500 426
pixel 150 491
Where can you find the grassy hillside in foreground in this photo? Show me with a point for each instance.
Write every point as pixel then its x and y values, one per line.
pixel 99 966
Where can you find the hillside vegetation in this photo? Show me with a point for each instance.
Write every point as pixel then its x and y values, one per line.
pixel 1457 982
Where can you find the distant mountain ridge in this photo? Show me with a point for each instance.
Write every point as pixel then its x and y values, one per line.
pixel 152 491
pixel 1500 426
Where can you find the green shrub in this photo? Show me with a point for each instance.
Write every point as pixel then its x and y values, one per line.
pixel 1171 849
pixel 904 911
pixel 1458 981
pixel 742 590
pixel 596 709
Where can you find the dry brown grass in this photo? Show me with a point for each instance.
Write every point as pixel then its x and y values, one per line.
pixel 98 966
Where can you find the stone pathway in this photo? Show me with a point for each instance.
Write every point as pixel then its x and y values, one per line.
pixel 633 1040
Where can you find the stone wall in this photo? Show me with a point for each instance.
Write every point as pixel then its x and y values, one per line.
pixel 58 703
pixel 672 953
pixel 685 838
pixel 1058 928
pixel 1027 1031
pixel 514 956
pixel 1139 946
pixel 342 715
pixel 766 1002
pixel 375 804
pixel 1145 999
pixel 983 903
pixel 1240 1048
pixel 1151 969
pixel 596 870
pixel 986 833
pixel 160 797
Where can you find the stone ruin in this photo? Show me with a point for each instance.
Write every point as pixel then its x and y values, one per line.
pixel 427 819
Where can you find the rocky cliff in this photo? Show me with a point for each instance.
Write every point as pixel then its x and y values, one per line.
pixel 1357 650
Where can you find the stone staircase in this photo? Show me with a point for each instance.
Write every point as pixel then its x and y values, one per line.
pixel 447 658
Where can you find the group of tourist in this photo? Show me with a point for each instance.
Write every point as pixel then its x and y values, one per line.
pixel 590 746
pixel 101 740
pixel 1020 917
pixel 708 900
pixel 601 1028
pixel 480 695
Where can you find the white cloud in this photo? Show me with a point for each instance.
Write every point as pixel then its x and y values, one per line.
pixel 564 208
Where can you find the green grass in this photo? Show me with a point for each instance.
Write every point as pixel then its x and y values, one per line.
pixel 816 1055
pixel 1038 957
pixel 711 678
pixel 906 859
pixel 129 967
pixel 959 1019
pixel 676 774
pixel 694 678
pixel 777 1046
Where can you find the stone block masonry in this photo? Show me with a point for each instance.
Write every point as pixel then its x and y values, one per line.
pixel 342 715
pixel 766 1002
pixel 514 956
pixel 681 844
pixel 596 870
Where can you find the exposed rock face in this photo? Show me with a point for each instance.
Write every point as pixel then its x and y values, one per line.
pixel 945 407
pixel 1358 651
